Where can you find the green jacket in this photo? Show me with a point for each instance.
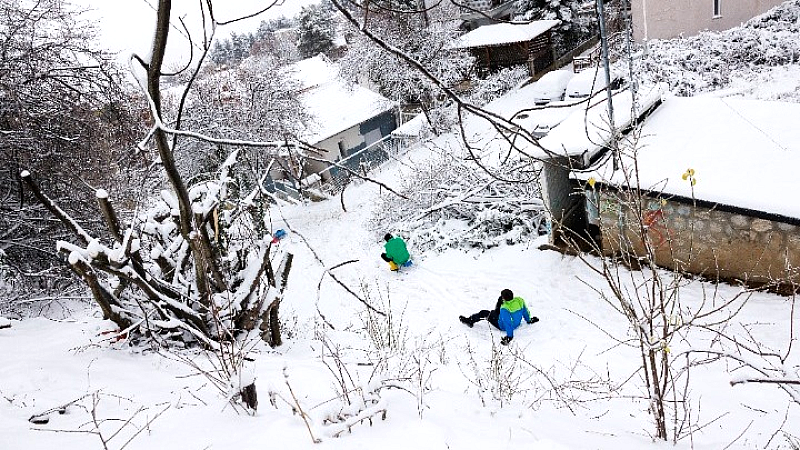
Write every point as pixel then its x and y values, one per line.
pixel 396 250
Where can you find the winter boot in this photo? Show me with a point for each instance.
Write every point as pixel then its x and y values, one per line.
pixel 465 321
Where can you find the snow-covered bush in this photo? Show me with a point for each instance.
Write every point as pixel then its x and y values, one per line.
pixel 710 60
pixel 148 279
pixel 386 332
pixel 498 378
pixel 453 203
pixel 497 84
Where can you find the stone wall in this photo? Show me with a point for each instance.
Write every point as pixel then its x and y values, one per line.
pixel 713 242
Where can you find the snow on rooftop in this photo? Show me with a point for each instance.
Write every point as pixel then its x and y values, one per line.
pixel 505 33
pixel 744 153
pixel 519 106
pixel 314 71
pixel 587 130
pixel 334 104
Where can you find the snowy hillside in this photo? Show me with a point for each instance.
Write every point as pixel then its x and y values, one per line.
pixel 567 382
pixel 374 359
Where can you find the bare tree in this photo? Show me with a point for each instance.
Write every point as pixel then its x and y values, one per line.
pixel 256 100
pixel 197 265
pixel 65 113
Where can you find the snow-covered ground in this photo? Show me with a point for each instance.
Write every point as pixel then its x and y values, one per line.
pixel 566 382
pixel 563 383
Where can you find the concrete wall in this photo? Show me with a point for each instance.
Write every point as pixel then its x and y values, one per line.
pixel 563 202
pixel 350 138
pixel 666 19
pixel 701 240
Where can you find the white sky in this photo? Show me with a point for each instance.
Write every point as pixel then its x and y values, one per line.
pixel 126 25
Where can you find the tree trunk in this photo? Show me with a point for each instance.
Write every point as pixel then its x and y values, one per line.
pixel 250 396
pixel 270 323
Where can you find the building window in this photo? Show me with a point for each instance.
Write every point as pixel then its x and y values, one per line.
pixel 717 10
pixel 342 150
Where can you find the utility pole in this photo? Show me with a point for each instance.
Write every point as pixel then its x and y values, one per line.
pixel 606 65
pixel 634 85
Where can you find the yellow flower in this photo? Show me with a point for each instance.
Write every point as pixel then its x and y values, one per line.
pixel 591 181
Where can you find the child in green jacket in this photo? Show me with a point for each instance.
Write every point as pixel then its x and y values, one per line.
pixel 396 252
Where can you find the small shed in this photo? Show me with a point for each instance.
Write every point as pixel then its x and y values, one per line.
pixel 575 145
pixel 715 177
pixel 703 186
pixel 511 44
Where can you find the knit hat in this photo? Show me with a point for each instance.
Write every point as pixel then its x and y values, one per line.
pixel 506 294
pixel 388 237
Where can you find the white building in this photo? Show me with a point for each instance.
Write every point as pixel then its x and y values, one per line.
pixel 666 19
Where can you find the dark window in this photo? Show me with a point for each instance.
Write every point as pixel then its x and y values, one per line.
pixel 717 10
pixel 342 150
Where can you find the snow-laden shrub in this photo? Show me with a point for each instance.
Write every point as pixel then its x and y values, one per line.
pixel 156 280
pixel 497 84
pixel 453 203
pixel 710 60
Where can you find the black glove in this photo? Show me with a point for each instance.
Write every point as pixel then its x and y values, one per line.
pixel 533 320
pixel 505 340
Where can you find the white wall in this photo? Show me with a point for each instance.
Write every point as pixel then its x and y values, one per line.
pixel 665 19
pixel 350 138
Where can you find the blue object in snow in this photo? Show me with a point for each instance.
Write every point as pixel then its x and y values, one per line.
pixel 279 234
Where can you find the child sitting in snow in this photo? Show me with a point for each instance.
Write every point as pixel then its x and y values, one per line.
pixel 396 252
pixel 506 316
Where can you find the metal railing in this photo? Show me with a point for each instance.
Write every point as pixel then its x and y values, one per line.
pixel 361 162
pixel 343 172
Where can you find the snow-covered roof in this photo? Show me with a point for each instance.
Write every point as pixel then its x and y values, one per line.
pixel 744 153
pixel 314 71
pixel 509 106
pixel 334 104
pixel 553 85
pixel 587 130
pixel 505 33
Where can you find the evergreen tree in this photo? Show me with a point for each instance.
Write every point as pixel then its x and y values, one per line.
pixel 232 51
pixel 576 24
pixel 267 27
pixel 316 30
